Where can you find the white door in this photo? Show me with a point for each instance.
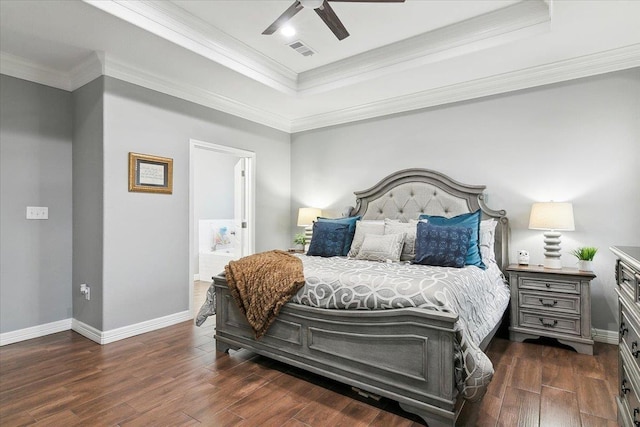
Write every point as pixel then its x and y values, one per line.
pixel 240 208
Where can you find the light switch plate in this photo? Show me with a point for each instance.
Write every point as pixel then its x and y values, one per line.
pixel 37 212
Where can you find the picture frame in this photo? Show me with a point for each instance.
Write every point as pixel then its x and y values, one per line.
pixel 150 174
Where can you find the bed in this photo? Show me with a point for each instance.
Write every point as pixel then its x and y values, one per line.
pixel 412 355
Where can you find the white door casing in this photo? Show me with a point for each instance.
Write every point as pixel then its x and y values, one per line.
pixel 244 203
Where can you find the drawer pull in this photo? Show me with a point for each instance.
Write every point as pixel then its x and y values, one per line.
pixel 636 411
pixel 623 329
pixel 624 389
pixel 548 324
pixel 634 346
pixel 547 303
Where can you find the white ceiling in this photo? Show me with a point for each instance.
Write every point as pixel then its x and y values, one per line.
pixel 398 57
pixel 371 25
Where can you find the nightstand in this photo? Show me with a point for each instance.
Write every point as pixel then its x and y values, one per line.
pixel 554 303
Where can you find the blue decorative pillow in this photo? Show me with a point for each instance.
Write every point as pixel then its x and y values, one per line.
pixel 470 220
pixel 442 246
pixel 351 222
pixel 328 239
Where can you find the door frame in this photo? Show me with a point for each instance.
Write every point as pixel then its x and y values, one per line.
pixel 250 156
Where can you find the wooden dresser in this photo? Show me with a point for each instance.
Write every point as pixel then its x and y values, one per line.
pixel 554 303
pixel 628 280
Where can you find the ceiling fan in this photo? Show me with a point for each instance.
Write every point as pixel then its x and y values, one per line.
pixel 324 11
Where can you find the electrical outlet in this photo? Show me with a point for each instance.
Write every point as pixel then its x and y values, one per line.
pixel 37 212
pixel 86 291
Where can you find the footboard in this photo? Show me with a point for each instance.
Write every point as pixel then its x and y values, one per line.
pixel 402 354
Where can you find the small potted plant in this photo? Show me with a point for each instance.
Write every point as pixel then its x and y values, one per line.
pixel 585 257
pixel 300 240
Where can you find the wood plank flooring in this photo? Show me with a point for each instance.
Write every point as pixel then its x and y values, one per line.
pixel 174 377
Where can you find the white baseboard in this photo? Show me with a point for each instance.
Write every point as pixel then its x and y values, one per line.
pixel 118 334
pixel 607 337
pixel 87 331
pixel 35 332
pixel 92 333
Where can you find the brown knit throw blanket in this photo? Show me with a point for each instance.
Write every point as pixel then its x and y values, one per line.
pixel 262 283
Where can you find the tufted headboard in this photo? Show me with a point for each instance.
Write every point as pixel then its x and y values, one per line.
pixel 408 193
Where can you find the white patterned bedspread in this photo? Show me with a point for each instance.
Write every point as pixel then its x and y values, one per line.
pixel 479 297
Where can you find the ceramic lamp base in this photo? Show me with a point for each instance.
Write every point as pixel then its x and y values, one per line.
pixel 553 263
pixel 552 250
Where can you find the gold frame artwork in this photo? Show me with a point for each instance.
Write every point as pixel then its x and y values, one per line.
pixel 150 174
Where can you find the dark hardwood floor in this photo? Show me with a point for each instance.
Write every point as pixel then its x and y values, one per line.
pixel 174 377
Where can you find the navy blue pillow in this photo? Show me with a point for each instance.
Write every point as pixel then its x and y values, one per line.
pixel 328 239
pixel 471 220
pixel 442 246
pixel 351 221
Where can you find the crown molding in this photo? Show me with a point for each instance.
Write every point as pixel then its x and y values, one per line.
pixel 575 68
pixel 198 95
pixel 90 69
pixel 20 68
pixel 100 64
pixel 502 26
pixel 174 24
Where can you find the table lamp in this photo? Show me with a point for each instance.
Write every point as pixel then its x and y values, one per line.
pixel 306 218
pixel 552 217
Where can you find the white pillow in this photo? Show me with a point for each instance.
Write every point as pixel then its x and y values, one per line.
pixel 410 229
pixel 487 239
pixel 362 228
pixel 387 247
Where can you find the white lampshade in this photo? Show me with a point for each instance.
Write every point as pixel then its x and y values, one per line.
pixel 307 216
pixel 551 216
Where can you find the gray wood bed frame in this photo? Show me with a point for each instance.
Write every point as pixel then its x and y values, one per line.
pixel 402 354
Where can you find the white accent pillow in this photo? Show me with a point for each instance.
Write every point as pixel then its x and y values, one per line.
pixel 363 228
pixel 410 229
pixel 486 241
pixel 387 247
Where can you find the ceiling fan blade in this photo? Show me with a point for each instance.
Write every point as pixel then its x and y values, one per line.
pixel 331 19
pixel 282 19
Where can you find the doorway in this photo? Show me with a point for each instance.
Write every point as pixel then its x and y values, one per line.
pixel 221 210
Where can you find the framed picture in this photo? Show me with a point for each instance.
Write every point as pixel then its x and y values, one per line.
pixel 150 174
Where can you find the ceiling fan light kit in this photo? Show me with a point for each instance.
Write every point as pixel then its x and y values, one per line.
pixel 311 4
pixel 324 11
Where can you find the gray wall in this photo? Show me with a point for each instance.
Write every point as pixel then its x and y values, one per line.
pixel 146 236
pixel 35 170
pixel 577 141
pixel 88 209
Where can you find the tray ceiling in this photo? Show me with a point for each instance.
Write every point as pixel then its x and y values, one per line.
pixel 399 56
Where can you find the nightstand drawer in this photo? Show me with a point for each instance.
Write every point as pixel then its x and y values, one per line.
pixel 629 336
pixel 552 285
pixel 628 392
pixel 628 280
pixel 549 322
pixel 550 301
